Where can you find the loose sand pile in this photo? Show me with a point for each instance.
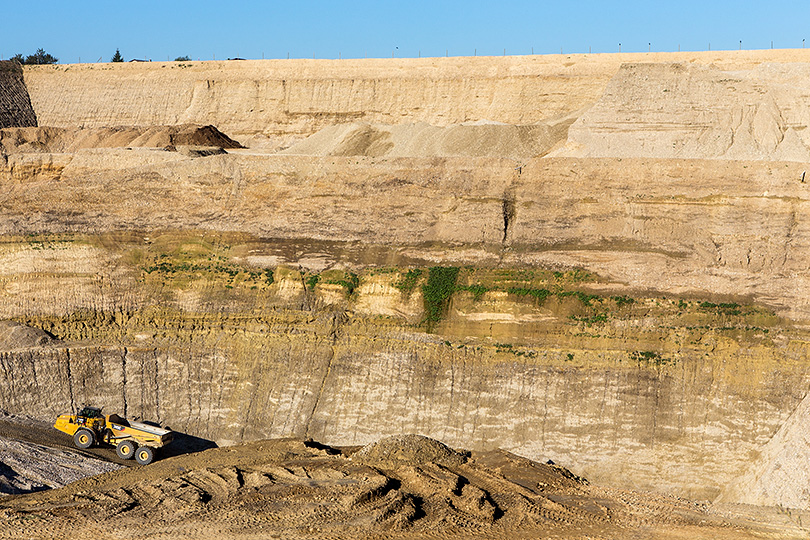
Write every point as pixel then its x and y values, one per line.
pixel 18 336
pixel 59 140
pixel 479 139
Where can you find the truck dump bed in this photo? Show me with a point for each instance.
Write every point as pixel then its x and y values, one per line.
pixel 144 433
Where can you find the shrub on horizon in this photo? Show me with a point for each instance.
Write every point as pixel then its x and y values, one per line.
pixel 39 57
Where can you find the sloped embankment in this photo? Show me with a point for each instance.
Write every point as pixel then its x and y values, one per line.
pixel 45 140
pixel 301 489
pixel 689 111
pixel 477 139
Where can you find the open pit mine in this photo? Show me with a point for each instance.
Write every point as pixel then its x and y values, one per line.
pixel 441 297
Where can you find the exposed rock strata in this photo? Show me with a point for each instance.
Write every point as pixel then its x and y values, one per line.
pixel 708 227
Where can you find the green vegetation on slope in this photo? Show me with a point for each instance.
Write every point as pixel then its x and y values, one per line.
pixel 440 286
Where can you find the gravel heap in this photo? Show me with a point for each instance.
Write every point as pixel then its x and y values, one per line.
pixel 414 450
pixel 27 467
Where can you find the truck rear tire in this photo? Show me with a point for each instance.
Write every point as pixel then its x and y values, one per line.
pixel 84 438
pixel 125 449
pixel 144 455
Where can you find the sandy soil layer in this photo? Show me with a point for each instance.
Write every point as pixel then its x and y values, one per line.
pixel 400 487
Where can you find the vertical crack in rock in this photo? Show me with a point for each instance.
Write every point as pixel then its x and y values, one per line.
pixel 70 382
pixel 337 321
pixel 508 209
pixel 124 379
pixel 449 420
pixel 34 370
pixel 305 301
pixel 791 228
pixel 9 380
pixel 157 388
pixel 251 405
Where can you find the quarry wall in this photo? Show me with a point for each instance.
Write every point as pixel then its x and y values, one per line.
pixel 277 98
pixel 679 186
pixel 690 428
pixel 691 227
pixel 283 101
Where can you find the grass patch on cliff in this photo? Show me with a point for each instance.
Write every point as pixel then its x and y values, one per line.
pixel 311 281
pixel 727 308
pixel 539 294
pixel 508 348
pixel 440 286
pixel 407 283
pixel 349 281
pixel 650 358
pixel 590 320
pixel 476 289
pixel 219 270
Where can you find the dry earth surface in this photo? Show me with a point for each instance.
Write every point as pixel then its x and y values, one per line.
pixel 596 259
pixel 405 487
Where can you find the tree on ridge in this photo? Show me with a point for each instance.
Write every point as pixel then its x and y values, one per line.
pixel 39 57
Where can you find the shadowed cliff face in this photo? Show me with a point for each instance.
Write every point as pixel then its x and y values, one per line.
pixel 687 423
pixel 15 104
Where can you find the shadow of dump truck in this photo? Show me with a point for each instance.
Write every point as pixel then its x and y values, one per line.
pixel 184 443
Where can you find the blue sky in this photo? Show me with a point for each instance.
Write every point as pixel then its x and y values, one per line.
pixel 206 29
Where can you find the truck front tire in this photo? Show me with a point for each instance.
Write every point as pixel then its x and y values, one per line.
pixel 144 455
pixel 84 438
pixel 125 449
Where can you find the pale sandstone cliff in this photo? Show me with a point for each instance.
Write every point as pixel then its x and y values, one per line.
pixel 687 111
pixel 284 100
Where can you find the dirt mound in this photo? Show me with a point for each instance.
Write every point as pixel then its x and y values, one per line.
pixel 479 139
pixel 197 151
pixel 413 450
pixel 58 140
pixel 299 489
pixel 192 135
pixel 18 336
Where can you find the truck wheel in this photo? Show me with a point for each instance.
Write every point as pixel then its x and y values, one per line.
pixel 125 449
pixel 144 455
pixel 84 438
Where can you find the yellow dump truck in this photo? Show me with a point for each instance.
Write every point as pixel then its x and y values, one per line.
pixel 131 439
